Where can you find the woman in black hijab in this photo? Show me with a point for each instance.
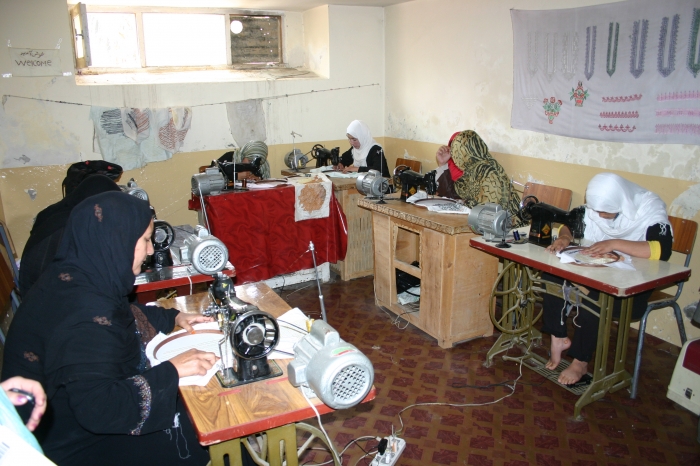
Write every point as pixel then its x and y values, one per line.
pixel 48 229
pixel 77 334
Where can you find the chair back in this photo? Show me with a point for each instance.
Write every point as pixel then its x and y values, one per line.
pixel 557 197
pixel 414 165
pixel 684 232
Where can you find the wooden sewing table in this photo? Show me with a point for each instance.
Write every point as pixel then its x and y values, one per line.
pixel 455 279
pixel 521 284
pixel 273 405
pixel 359 261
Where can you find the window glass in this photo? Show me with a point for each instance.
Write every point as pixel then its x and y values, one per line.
pixel 113 40
pixel 258 40
pixel 184 39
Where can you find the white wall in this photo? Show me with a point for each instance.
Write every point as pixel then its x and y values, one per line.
pixel 46 118
pixel 450 67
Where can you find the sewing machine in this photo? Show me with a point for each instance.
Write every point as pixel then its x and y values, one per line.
pixel 222 176
pixel 411 181
pixel 543 215
pixel 323 155
pixel 249 334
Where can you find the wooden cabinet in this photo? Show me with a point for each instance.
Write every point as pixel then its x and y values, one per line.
pixel 456 280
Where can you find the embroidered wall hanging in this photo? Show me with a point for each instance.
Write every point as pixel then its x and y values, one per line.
pixel 625 72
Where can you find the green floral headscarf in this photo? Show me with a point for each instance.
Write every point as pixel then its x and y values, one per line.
pixel 484 179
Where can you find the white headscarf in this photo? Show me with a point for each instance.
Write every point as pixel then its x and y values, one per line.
pixel 359 130
pixel 638 209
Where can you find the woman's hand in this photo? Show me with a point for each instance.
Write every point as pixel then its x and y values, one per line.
pixel 193 362
pixel 340 167
pixel 443 155
pixel 559 245
pixel 350 169
pixel 600 248
pixel 186 320
pixel 18 399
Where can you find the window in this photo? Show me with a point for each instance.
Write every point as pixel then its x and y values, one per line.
pixel 119 39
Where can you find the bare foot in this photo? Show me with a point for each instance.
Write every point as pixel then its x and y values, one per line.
pixel 573 373
pixel 558 346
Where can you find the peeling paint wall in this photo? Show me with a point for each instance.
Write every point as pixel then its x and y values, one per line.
pixel 450 67
pixel 42 132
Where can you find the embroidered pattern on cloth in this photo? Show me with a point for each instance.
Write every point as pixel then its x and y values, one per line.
pixel 145 396
pixel 143 326
pixel 102 321
pixel 31 357
pixel 648 37
pixel 65 277
pixel 98 212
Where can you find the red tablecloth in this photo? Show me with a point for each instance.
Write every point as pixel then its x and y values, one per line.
pixel 262 237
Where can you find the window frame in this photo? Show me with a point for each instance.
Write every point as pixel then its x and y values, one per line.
pixel 84 64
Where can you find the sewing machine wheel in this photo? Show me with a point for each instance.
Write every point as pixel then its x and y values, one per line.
pixel 255 334
pixel 524 212
pixel 516 286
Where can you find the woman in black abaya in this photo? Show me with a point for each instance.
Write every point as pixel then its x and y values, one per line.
pixel 78 335
pixel 48 228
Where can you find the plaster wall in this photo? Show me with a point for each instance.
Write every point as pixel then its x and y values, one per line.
pixel 449 67
pixel 43 116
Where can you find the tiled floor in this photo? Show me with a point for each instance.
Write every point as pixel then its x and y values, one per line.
pixel 533 426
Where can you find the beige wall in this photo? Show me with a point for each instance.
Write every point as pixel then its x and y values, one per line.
pixel 415 72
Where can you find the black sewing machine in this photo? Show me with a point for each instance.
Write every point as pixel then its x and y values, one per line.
pixel 411 181
pixel 543 215
pixel 323 155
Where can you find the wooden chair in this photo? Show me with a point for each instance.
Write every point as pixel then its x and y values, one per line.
pixel 414 165
pixel 684 232
pixel 557 197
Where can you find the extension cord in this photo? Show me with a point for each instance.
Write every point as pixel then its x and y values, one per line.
pixel 395 446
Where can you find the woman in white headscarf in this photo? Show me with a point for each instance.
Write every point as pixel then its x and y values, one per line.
pixel 620 216
pixel 365 154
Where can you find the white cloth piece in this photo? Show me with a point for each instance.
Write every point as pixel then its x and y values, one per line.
pixel 172 125
pixel 360 131
pixel 246 120
pixel 624 264
pixel 618 71
pixel 135 151
pixel 199 380
pixel 292 329
pixel 637 207
pixel 407 297
pixel 417 197
pixel 312 197
pixel 136 123
pixel 450 208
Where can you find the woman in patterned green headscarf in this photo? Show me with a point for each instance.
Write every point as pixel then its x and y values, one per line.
pixel 483 179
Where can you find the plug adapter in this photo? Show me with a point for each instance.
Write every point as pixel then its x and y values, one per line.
pixel 393 449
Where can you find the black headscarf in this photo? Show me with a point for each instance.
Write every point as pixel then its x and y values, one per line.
pixel 48 229
pixel 98 243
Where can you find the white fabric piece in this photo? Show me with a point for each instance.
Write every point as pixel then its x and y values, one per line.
pixel 199 380
pixel 136 123
pixel 292 329
pixel 624 264
pixel 407 297
pixel 619 71
pixel 638 209
pixel 312 197
pixel 360 131
pixel 246 120
pixel 127 146
pixel 450 208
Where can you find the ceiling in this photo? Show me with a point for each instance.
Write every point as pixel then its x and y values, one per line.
pixel 284 5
